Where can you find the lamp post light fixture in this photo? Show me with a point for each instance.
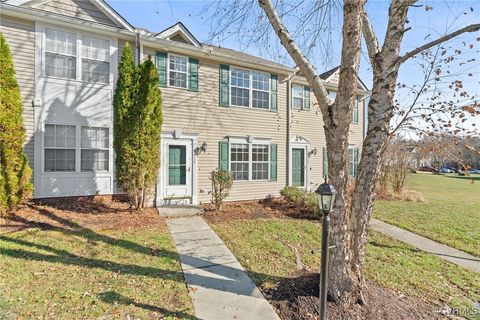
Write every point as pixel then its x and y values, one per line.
pixel 326 199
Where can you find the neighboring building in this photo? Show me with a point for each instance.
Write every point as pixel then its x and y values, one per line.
pixel 222 108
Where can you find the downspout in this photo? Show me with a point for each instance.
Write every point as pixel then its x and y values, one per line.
pixel 137 48
pixel 289 110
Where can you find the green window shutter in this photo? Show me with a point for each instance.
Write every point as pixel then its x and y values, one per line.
pixel 192 74
pixel 162 68
pixel 273 92
pixel 223 155
pixel 325 162
pixel 273 162
pixel 224 85
pixel 306 96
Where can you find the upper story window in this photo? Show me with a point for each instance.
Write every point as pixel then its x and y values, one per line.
pixel 60 54
pixel 240 88
pixel 62 57
pixel 95 59
pixel 260 90
pixel 300 97
pixel 178 70
pixel 355 110
pixel 249 88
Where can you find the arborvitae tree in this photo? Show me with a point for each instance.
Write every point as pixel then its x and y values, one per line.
pixel 139 117
pixel 123 102
pixel 15 185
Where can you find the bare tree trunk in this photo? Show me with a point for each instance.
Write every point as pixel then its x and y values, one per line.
pixel 380 111
pixel 344 285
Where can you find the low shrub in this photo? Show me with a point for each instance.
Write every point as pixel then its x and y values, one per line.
pixel 303 200
pixel 221 184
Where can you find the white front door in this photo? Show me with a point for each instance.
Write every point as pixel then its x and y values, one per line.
pixel 177 171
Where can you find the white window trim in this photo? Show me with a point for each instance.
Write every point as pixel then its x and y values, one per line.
pixel 300 145
pixel 249 141
pixel 55 148
pixel 353 147
pixel 95 149
pixel 250 89
pixel 187 87
pixel 302 97
pixel 356 109
pixel 78 70
pixel 78 150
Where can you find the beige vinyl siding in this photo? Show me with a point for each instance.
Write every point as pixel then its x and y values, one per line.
pixel 80 9
pixel 20 36
pixel 309 125
pixel 200 112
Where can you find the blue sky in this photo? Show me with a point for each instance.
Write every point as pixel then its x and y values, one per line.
pixel 445 16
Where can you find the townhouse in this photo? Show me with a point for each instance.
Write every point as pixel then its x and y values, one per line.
pixel 222 108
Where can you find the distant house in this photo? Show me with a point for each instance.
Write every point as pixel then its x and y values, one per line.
pixel 222 108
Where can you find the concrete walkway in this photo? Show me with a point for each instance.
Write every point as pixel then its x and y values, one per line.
pixel 450 254
pixel 218 285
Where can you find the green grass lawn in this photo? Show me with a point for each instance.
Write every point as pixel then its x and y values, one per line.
pixel 450 215
pixel 263 247
pixel 86 274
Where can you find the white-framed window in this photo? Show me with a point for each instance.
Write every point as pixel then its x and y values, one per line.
pixel 260 161
pixel 60 54
pixel 297 96
pixel 94 149
pixel 95 59
pixel 250 161
pixel 240 87
pixel 249 88
pixel 239 161
pixel 355 110
pixel 177 71
pixel 260 90
pixel 59 148
pixel 62 143
pixel 64 52
pixel 353 159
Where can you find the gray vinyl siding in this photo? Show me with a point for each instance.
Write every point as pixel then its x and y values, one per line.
pixel 79 9
pixel 20 36
pixel 200 112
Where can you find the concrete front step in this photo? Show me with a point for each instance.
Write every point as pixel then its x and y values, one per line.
pixel 179 211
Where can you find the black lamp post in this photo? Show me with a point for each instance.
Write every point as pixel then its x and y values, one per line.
pixel 326 198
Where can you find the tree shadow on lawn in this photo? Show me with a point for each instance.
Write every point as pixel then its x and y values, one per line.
pixel 113 297
pixel 221 276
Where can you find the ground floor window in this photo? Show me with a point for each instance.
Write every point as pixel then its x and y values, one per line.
pixel 353 161
pixel 61 148
pixel 95 150
pixel 239 163
pixel 249 161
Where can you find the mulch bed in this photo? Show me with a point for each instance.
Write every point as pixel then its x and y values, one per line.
pixel 296 298
pixel 247 210
pixel 74 214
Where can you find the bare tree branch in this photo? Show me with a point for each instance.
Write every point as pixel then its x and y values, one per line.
pixel 296 53
pixel 371 40
pixel 408 55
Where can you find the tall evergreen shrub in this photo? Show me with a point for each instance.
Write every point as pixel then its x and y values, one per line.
pixel 138 117
pixel 15 185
